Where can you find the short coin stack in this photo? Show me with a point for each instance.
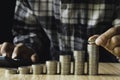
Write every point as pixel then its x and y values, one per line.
pixel 24 70
pixel 65 63
pixel 79 61
pixel 37 68
pixel 11 71
pixel 51 67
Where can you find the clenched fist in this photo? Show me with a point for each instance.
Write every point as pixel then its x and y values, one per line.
pixel 18 51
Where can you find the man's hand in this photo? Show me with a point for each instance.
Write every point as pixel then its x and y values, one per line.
pixel 110 40
pixel 18 51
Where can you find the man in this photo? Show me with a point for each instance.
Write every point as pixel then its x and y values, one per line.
pixel 64 26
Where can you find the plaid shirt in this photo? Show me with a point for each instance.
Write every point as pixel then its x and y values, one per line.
pixel 67 23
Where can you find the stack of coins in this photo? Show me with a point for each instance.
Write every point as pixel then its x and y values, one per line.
pixel 58 67
pixel 44 68
pixel 65 64
pixel 11 71
pixel 51 67
pixel 79 59
pixel 37 68
pixel 93 53
pixel 72 67
pixel 24 70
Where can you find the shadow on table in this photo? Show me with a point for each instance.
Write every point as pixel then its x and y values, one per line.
pixel 108 75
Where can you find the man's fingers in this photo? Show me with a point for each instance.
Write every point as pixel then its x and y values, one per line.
pixel 116 51
pixel 110 40
pixel 21 51
pixel 35 58
pixel 93 38
pixel 7 49
pixel 113 42
pixel 18 51
pixel 103 38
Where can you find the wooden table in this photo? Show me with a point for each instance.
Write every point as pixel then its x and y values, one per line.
pixel 107 71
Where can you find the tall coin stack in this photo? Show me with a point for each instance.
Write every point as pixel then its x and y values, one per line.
pixel 79 61
pixel 51 67
pixel 93 59
pixel 65 64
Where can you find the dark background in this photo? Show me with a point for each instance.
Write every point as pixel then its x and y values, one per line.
pixel 6 20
